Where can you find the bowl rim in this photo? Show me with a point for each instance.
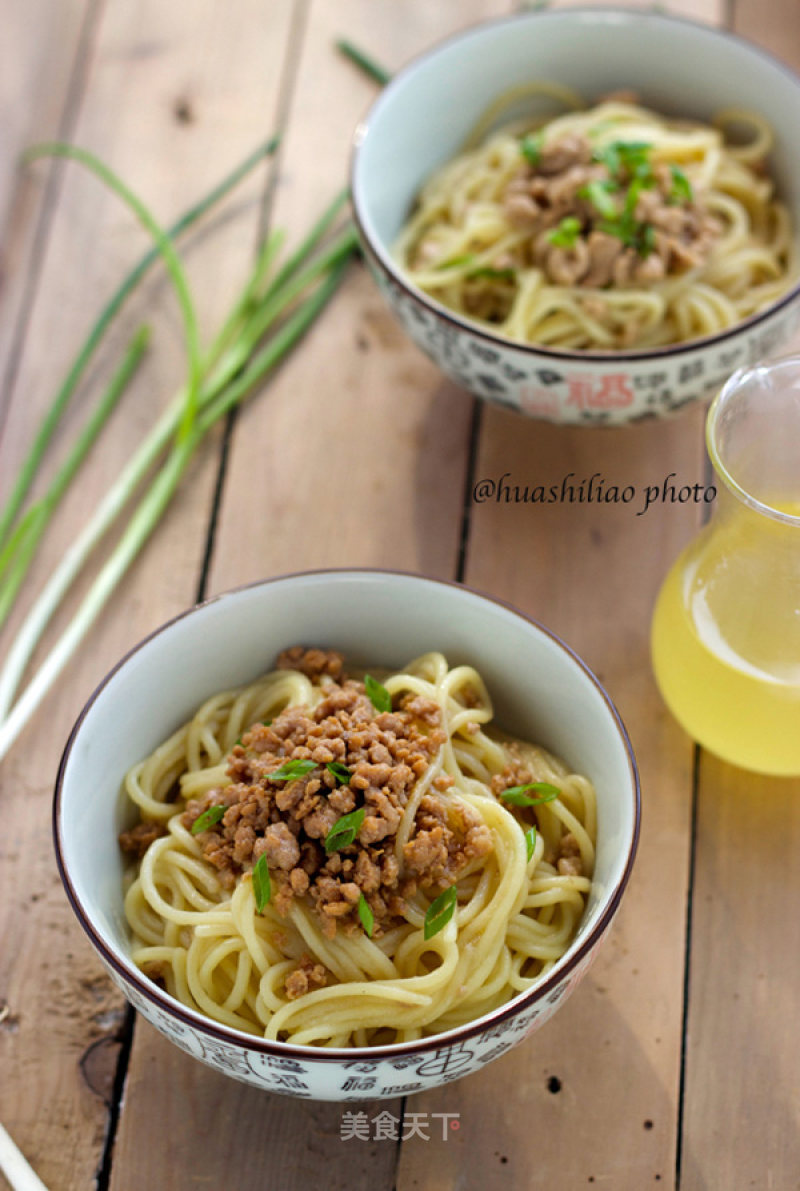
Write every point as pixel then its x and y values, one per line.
pixel 160 999
pixel 383 258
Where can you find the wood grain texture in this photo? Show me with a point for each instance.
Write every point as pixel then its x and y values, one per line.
pixel 174 99
pixel 38 41
pixel 606 1068
pixel 742 1066
pixel 356 456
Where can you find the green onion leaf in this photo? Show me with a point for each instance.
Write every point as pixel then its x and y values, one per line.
pixel 519 796
pixel 647 240
pixel 631 156
pixel 634 154
pixel 632 197
pixel 379 696
pixel 625 229
pixel 609 157
pixel 366 915
pixel 262 886
pixel 566 233
pixel 531 147
pixel 344 831
pixel 530 841
pixel 681 191
pixel 291 770
pixel 492 274
pixel 64 395
pixel 597 192
pixel 371 68
pixel 455 262
pixel 208 819
pixel 440 912
pixel 284 312
pixel 339 771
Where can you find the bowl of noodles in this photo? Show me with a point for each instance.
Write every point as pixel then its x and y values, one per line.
pixel 347 834
pixel 589 216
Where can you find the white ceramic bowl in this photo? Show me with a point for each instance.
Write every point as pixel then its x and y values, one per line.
pixel 541 691
pixel 424 115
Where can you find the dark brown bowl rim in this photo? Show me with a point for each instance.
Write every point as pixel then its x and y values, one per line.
pixel 632 355
pixel 196 1021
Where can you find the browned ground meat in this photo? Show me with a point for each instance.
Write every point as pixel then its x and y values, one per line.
pixel 311 662
pixel 516 772
pixel 288 821
pixel 307 976
pixel 445 841
pixel 568 860
pixel 542 195
pixel 140 837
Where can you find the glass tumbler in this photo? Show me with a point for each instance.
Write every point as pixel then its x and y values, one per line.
pixel 726 627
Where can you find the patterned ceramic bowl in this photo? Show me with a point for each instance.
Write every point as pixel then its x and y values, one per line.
pixel 423 117
pixel 541 691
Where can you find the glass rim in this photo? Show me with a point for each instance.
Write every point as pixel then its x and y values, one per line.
pixel 719 403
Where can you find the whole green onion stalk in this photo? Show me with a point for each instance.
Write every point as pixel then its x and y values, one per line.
pixel 30 466
pixel 270 315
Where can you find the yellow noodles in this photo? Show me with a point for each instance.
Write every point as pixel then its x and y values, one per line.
pixel 514 919
pixel 464 248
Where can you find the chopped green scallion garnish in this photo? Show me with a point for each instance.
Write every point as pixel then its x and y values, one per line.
pixel 565 234
pixel 208 818
pixel 262 886
pixel 440 912
pixel 630 156
pixel 681 191
pixel 456 262
pixel 597 192
pixel 530 841
pixel 379 696
pixel 492 274
pixel 531 147
pixel 291 770
pixel 366 915
pixel 339 771
pixel 519 796
pixel 344 831
pixel 647 240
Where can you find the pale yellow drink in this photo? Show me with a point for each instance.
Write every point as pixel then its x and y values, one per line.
pixel 726 641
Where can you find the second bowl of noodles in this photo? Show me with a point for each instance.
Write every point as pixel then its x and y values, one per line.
pixel 600 225
pixel 347 834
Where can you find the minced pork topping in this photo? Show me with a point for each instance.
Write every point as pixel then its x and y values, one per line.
pixel 384 753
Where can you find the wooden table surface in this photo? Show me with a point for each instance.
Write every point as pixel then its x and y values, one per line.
pixel 676 1062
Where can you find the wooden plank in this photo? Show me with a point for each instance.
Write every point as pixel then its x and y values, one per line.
pixel 742 1108
pixel 177 95
pixel 742 1112
pixel 39 41
pixel 377 410
pixel 772 26
pixel 709 12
